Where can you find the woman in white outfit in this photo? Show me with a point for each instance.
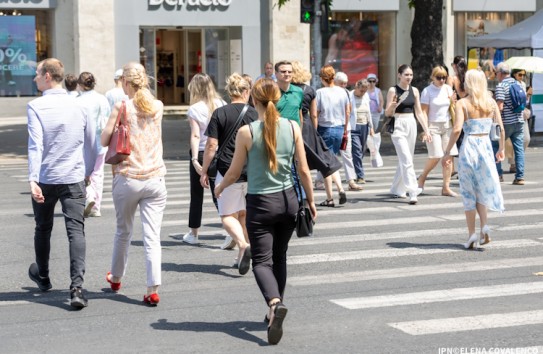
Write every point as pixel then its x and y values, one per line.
pixel 435 102
pixel 139 180
pixel 403 102
pixel 97 108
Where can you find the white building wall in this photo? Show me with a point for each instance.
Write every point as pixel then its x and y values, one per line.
pixel 290 39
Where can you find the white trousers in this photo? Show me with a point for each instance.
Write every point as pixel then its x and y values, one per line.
pixel 150 195
pixel 96 186
pixel 404 139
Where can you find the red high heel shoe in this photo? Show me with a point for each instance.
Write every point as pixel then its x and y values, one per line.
pixel 152 299
pixel 114 286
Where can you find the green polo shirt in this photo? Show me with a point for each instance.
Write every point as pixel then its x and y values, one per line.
pixel 290 103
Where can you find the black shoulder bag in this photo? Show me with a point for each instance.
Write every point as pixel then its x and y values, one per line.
pixel 212 169
pixel 304 220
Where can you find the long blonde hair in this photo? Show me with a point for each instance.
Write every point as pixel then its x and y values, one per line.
pixel 300 75
pixel 134 74
pixel 477 89
pixel 201 88
pixel 267 93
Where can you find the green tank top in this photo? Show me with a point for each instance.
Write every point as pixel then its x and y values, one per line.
pixel 260 180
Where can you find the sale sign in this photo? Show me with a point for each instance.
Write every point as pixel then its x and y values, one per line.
pixel 17 55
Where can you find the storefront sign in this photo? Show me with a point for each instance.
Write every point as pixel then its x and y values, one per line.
pixel 17 55
pixel 27 4
pixel 203 4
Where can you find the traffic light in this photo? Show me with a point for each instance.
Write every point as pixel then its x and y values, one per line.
pixel 307 11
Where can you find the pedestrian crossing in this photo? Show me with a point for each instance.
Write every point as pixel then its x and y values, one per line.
pixel 399 256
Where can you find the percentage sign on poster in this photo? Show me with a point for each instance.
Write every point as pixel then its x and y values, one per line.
pixel 13 55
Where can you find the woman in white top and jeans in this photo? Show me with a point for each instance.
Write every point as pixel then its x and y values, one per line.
pixel 435 101
pixel 203 101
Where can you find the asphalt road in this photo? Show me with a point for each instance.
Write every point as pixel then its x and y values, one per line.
pixel 380 276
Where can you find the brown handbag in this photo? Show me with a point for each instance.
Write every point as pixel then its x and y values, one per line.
pixel 119 144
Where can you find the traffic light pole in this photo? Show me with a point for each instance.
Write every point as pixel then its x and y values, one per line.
pixel 316 55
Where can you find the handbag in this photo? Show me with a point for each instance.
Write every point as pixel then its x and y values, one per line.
pixel 495 129
pixel 212 169
pixel 388 127
pixel 304 220
pixel 344 141
pixel 452 112
pixel 119 144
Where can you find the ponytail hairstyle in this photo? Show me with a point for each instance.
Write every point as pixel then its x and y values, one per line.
pixel 201 88
pixel 266 92
pixel 461 68
pixel 134 75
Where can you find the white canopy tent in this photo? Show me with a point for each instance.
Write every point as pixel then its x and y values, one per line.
pixel 525 34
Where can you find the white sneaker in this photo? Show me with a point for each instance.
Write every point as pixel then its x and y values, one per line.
pixel 95 213
pixel 228 243
pixel 190 238
pixel 89 204
pixel 413 199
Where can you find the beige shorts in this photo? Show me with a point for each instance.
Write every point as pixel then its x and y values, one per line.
pixel 232 198
pixel 441 134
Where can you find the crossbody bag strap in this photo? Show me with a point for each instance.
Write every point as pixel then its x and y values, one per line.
pixel 300 201
pixel 231 131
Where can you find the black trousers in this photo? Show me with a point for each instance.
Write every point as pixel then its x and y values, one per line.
pixel 72 199
pixel 197 194
pixel 271 219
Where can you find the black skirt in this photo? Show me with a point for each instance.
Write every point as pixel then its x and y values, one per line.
pixel 319 157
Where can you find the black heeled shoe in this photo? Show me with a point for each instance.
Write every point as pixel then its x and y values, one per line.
pixel 275 328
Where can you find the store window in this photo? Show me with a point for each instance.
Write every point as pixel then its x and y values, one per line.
pixel 356 43
pixel 24 41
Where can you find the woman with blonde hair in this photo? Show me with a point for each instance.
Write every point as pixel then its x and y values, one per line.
pixel 138 180
pixel 203 101
pixel 435 101
pixel 269 146
pixel 224 124
pixel 479 182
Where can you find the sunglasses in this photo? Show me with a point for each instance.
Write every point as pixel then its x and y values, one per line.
pixel 520 74
pixel 441 77
pixel 372 81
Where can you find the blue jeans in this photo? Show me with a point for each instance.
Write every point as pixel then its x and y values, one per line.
pixel 72 199
pixel 332 137
pixel 359 137
pixel 515 132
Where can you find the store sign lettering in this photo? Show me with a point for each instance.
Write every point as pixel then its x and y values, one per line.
pixel 203 3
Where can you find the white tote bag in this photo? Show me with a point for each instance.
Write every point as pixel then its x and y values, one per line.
pixel 374 143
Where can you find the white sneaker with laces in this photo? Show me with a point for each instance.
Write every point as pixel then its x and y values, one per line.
pixel 190 238
pixel 228 243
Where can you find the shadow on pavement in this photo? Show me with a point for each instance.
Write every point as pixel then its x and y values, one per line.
pixel 236 329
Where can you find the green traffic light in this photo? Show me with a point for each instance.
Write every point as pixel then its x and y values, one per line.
pixel 307 16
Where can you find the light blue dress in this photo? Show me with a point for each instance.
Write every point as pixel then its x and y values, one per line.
pixel 478 176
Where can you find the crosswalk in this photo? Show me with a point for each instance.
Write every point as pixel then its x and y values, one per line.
pixel 375 239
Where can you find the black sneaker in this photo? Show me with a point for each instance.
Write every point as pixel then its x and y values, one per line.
pixel 43 283
pixel 78 300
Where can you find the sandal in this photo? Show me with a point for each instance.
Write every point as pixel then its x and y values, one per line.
pixel 342 197
pixel 328 203
pixel 355 187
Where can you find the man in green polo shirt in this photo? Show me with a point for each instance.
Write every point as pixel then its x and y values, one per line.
pixel 290 104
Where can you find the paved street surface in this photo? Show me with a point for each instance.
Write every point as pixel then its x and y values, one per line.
pixel 380 276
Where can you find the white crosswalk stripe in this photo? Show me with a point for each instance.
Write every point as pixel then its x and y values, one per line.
pixel 364 234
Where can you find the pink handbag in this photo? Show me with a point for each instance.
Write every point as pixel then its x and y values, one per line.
pixel 119 144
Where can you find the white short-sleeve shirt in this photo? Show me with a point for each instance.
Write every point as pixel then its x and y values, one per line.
pixel 438 101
